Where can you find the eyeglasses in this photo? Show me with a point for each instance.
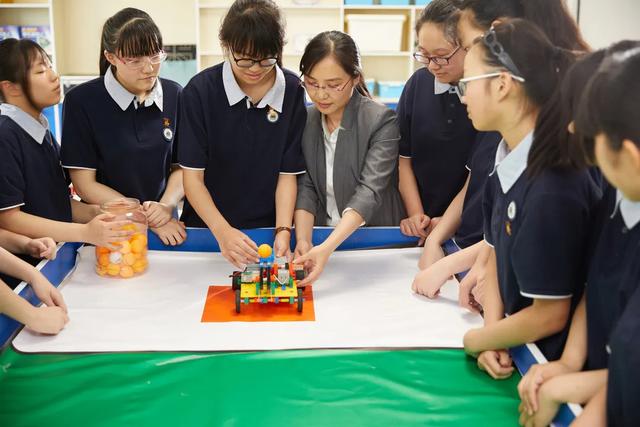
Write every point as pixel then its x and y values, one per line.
pixel 490 40
pixel 464 83
pixel 248 62
pixel 313 88
pixel 438 60
pixel 140 62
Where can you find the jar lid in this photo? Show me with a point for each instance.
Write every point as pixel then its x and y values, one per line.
pixel 121 205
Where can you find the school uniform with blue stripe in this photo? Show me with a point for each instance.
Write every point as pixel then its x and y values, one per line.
pixel 539 227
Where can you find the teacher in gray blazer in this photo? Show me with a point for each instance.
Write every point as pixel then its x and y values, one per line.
pixel 350 145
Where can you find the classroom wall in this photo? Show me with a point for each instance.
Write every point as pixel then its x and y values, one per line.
pixel 78 24
pixel 606 21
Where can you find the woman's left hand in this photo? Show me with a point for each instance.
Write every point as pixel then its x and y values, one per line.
pixel 316 259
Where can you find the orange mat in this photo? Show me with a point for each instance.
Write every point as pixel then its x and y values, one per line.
pixel 221 307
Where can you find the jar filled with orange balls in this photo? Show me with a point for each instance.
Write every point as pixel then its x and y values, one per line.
pixel 130 257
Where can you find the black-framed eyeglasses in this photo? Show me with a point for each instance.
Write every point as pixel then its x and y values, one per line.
pixel 438 60
pixel 490 40
pixel 248 62
pixel 313 88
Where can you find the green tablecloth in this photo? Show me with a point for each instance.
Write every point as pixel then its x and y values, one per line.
pixel 279 388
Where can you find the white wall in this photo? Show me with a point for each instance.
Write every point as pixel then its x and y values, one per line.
pixel 606 21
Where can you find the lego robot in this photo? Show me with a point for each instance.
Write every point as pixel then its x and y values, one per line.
pixel 272 280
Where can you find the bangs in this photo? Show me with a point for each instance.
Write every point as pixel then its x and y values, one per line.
pixel 253 33
pixel 35 53
pixel 139 37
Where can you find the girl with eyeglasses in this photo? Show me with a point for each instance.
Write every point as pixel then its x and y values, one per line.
pixel 438 142
pixel 450 158
pixel 475 18
pixel 538 201
pixel 240 135
pixel 119 130
pixel 350 145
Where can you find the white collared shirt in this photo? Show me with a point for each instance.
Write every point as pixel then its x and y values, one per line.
pixel 123 97
pixel 511 164
pixel 629 210
pixel 37 129
pixel 274 97
pixel 439 88
pixel 330 141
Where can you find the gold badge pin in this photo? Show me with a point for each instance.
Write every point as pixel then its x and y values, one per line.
pixel 272 115
pixel 508 228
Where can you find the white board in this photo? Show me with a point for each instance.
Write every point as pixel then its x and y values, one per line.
pixel 362 300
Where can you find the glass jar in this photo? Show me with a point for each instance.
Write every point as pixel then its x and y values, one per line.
pixel 130 257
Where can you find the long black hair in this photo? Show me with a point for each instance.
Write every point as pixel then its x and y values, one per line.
pixel 543 67
pixel 552 16
pixel 342 47
pixel 130 33
pixel 610 102
pixel 16 59
pixel 255 28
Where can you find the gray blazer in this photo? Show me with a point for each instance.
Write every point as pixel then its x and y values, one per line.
pixel 365 172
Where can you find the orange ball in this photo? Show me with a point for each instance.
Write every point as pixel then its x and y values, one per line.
pixel 264 251
pixel 126 272
pixel 102 250
pixel 125 247
pixel 142 237
pixel 103 259
pixel 140 265
pixel 113 269
pixel 129 259
pixel 137 245
pixel 101 271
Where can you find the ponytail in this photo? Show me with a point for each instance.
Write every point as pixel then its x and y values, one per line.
pixel 543 66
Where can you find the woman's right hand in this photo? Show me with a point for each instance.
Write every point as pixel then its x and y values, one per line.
pixel 302 247
pixel 103 231
pixel 237 247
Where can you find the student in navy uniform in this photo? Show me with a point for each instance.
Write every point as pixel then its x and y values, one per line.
pixel 476 18
pixel 240 135
pixel 34 192
pixel 614 116
pixel 350 144
pixel 614 273
pixel 436 133
pixel 118 131
pixel 538 200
